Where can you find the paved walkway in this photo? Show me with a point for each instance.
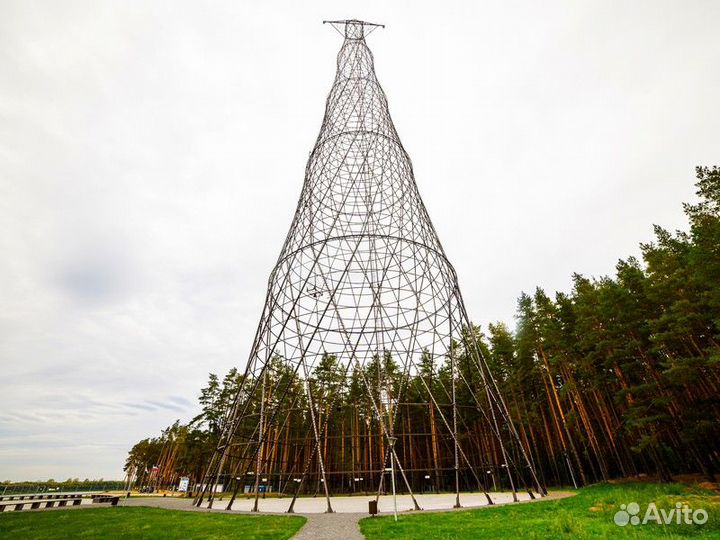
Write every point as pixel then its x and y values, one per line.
pixel 358 504
pixel 331 527
pixel 343 524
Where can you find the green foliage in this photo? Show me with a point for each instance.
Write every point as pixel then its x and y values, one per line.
pixel 617 377
pixel 183 449
pixel 628 362
pixel 144 524
pixel 589 514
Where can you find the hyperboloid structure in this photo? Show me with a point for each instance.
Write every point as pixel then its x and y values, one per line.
pixel 365 369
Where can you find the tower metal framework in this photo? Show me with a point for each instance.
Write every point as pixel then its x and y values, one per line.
pixel 364 339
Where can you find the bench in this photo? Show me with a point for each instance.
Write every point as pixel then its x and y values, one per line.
pixel 112 499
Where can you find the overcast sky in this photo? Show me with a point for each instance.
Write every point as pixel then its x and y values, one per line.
pixel 152 153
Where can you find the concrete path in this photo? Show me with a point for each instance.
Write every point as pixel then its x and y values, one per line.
pixel 331 527
pixel 359 504
pixel 343 524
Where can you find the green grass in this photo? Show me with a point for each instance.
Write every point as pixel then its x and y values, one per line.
pixel 140 523
pixel 589 514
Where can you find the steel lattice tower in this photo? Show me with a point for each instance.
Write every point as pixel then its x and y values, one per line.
pixel 361 300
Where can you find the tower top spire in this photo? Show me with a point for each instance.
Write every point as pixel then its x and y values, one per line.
pixel 353 28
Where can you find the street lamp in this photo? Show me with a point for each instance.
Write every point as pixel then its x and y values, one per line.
pixel 391 442
pixel 493 479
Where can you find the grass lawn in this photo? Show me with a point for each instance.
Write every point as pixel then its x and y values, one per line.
pixel 589 514
pixel 138 523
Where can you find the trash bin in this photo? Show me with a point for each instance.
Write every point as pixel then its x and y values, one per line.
pixel 372 507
